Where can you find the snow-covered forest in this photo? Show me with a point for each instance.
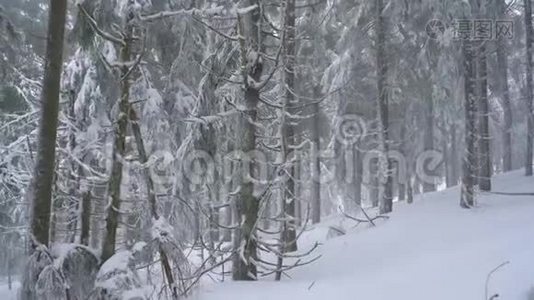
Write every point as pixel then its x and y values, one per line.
pixel 266 149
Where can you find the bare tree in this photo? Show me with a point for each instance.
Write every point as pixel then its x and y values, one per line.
pixel 41 191
pixel 119 145
pixel 244 263
pixel 469 159
pixel 41 186
pixel 289 134
pixel 485 164
pixel 504 93
pixel 530 115
pixel 386 199
pixel 316 163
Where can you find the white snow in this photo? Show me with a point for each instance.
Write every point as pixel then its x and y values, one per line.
pixel 246 10
pixel 153 102
pixel 162 230
pixel 117 263
pixel 429 250
pixel 6 293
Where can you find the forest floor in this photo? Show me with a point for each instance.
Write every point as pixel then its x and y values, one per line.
pixel 429 250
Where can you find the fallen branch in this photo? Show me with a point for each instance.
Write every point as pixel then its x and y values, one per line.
pixel 510 194
pixel 368 219
pixel 489 277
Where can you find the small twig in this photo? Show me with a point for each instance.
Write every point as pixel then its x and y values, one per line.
pixel 30 151
pixel 97 30
pixel 137 61
pixel 369 220
pixel 489 277
pixel 337 230
pixel 510 194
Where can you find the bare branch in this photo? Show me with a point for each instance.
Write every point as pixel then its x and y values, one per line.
pixel 105 35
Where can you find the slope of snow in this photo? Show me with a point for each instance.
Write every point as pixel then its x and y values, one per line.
pixel 6 293
pixel 429 250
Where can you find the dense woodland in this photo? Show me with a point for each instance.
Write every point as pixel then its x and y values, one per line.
pixel 157 143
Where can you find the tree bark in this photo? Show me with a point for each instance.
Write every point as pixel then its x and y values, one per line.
pixel 409 191
pixel 85 218
pixel 289 234
pixel 468 176
pixel 119 150
pixel 151 195
pixel 453 180
pixel 530 116
pixel 316 166
pixel 74 181
pixel 41 190
pixel 9 269
pixel 143 159
pixel 445 148
pixel 485 165
pixel 429 129
pixel 374 183
pixel 358 175
pixel 502 66
pixel 244 266
pixel 386 199
pixel 404 182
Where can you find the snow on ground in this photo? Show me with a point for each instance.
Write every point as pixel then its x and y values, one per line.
pixel 429 250
pixel 6 293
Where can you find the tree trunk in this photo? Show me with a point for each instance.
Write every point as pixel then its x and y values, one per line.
pixel 151 195
pixel 485 165
pixel 74 181
pixel 386 182
pixel 316 166
pixel 85 218
pixel 453 180
pixel 56 207
pixel 404 182
pixel 530 116
pixel 445 149
pixel 467 193
pixel 429 130
pixel 228 211
pixel 244 264
pixel 41 189
pixel 358 175
pixel 119 150
pixel 502 66
pixel 289 137
pixel 297 211
pixel 143 159
pixel 374 183
pixel 9 269
pixel 409 191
